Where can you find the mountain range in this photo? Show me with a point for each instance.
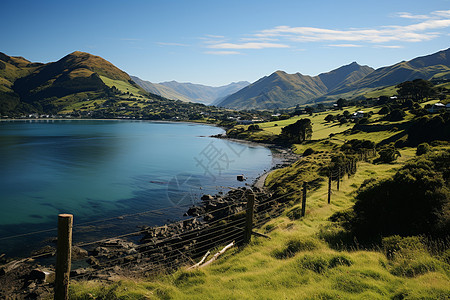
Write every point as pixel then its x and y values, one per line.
pixel 52 87
pixel 189 91
pixel 282 90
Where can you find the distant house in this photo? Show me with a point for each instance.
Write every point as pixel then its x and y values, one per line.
pixel 437 107
pixel 358 115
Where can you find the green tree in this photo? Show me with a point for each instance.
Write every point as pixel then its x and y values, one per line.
pixel 341 103
pixel 329 118
pixel 298 132
pixel 396 115
pixel 416 90
pixel 388 155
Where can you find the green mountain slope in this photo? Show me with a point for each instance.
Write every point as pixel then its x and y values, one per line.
pixel 280 90
pixel 12 68
pixel 425 67
pixel 26 86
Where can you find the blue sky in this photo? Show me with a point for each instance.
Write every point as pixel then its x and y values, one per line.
pixel 218 42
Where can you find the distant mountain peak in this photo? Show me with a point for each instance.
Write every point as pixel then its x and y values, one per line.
pixel 192 92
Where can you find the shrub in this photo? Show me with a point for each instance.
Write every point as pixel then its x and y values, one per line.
pixel 339 260
pixel 422 149
pixel 414 267
pixel 384 110
pixel 396 115
pixel 308 151
pixel 388 155
pixel 294 246
pixel 295 213
pixel 317 264
pixel 414 201
pixel 189 278
pixel 402 246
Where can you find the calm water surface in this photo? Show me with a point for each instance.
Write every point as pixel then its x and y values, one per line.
pixel 104 169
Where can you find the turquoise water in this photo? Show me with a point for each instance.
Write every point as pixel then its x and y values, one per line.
pixel 103 169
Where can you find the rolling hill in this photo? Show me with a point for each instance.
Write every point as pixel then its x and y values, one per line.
pixel 189 91
pixel 26 86
pixel 280 90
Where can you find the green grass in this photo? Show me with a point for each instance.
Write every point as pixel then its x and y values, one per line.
pixel 122 86
pixel 386 91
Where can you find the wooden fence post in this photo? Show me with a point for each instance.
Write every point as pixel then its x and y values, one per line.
pixel 249 217
pixel 304 199
pixel 338 178
pixel 63 256
pixel 329 187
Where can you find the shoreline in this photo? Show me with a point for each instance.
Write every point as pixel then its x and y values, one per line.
pixel 281 157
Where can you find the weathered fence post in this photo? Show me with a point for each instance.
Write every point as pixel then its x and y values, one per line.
pixel 63 256
pixel 329 187
pixel 249 217
pixel 304 199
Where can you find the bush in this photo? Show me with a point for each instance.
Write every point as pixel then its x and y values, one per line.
pixel 308 151
pixel 295 213
pixel 415 267
pixel 388 155
pixel 294 246
pixel 317 264
pixel 396 115
pixel 384 110
pixel 414 201
pixel 422 149
pixel 402 246
pixel 340 260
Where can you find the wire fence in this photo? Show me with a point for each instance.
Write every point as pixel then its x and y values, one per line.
pixel 215 222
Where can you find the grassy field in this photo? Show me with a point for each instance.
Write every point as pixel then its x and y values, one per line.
pixel 323 130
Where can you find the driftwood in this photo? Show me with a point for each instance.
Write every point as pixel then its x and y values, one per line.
pixel 200 262
pixel 217 255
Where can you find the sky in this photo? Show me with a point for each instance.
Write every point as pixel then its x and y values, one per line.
pixel 218 42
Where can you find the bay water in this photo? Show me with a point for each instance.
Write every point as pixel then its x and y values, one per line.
pixel 113 176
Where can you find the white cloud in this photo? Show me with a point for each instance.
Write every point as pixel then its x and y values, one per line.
pixel 421 28
pixel 442 13
pixel 247 46
pixel 222 52
pixel 171 44
pixel 345 45
pixel 408 15
pixel 389 46
pixel 409 33
pixel 214 36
